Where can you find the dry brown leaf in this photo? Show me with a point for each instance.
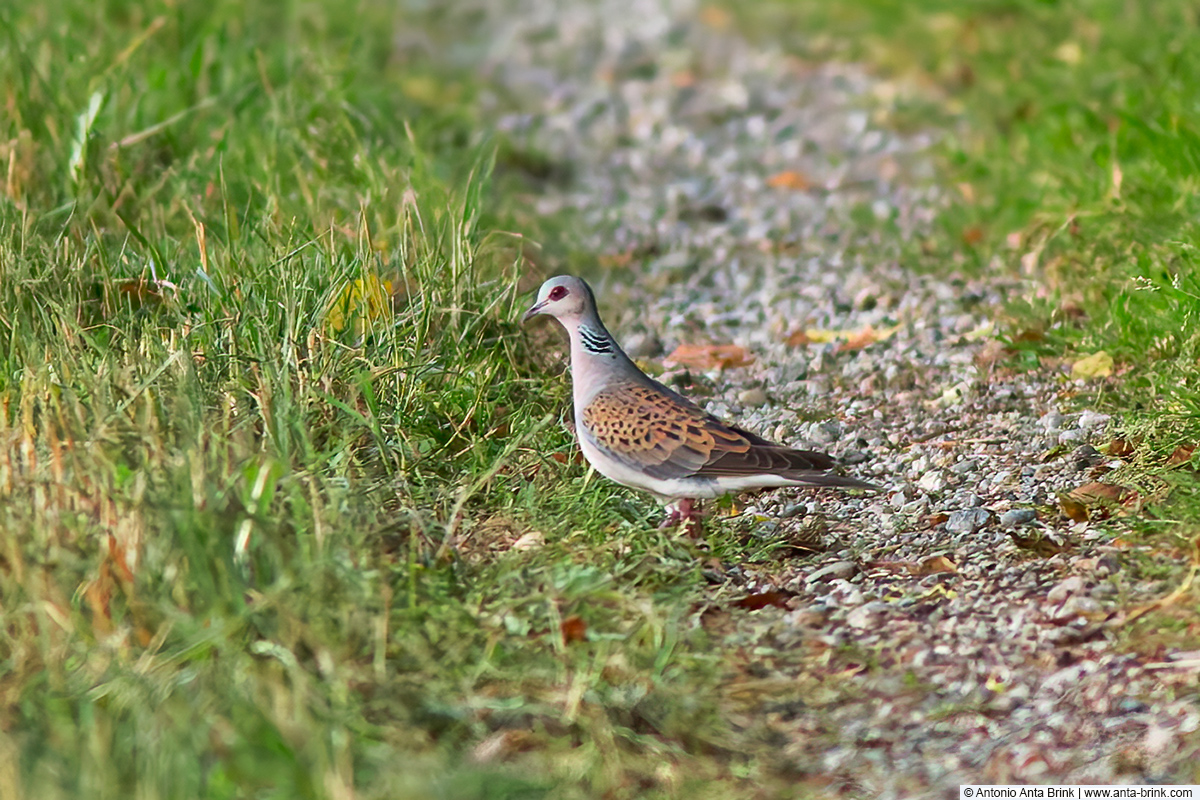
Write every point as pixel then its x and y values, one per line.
pixel 972 235
pixel 1182 455
pixel 789 179
pixel 1098 494
pixel 1120 448
pixel 574 629
pixel 709 356
pixel 1073 509
pixel 754 602
pixel 797 338
pixel 1029 335
pixel 1039 544
pixel 936 564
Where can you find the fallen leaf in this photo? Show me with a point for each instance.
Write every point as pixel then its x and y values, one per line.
pixel 1097 493
pixel 865 337
pixel 852 339
pixel 796 338
pixel 360 301
pixel 715 17
pixel 1073 509
pixel 1120 448
pixel 709 356
pixel 1182 455
pixel 1039 544
pixel 1097 365
pixel 936 564
pixel 822 336
pixel 1029 335
pixel 755 602
pixel 1069 52
pixel 573 629
pixel 972 235
pixel 789 179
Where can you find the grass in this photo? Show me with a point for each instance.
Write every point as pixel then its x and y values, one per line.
pixel 269 430
pixel 258 508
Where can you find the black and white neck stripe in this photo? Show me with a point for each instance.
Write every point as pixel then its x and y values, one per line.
pixel 597 342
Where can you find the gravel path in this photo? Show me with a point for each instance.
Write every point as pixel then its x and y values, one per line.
pixel 742 197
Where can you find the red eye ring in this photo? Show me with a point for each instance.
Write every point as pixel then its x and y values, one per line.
pixel 557 293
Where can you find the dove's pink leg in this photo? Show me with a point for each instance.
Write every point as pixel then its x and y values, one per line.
pixel 685 512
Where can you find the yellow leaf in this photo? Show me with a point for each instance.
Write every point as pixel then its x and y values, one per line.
pixel 360 301
pixel 854 339
pixel 1097 365
pixel 1069 52
pixel 821 336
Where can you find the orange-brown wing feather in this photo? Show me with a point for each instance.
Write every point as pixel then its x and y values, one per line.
pixel 662 434
pixel 667 436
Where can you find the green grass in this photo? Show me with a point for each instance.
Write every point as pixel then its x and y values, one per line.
pixel 257 511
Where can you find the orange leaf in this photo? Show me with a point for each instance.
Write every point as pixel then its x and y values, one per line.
pixel 715 17
pixel 797 338
pixel 789 179
pixel 709 356
pixel 859 339
pixel 1120 448
pixel 573 629
pixel 936 564
pixel 1075 510
pixel 754 602
pixel 1096 493
pixel 1182 455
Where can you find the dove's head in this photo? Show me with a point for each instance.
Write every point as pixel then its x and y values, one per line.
pixel 566 298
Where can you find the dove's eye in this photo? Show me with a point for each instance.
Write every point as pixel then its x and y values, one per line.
pixel 558 293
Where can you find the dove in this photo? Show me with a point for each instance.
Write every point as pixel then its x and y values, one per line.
pixel 637 432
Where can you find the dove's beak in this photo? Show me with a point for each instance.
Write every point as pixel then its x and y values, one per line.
pixel 533 312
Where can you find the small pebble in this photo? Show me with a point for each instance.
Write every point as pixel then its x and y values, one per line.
pixel 1086 456
pixel 1071 436
pixel 643 345
pixel 968 520
pixel 866 615
pixel 1064 589
pixel 752 398
pixel 1052 421
pixel 1017 516
pixel 1091 420
pixel 838 569
pixel 826 432
pixel 931 481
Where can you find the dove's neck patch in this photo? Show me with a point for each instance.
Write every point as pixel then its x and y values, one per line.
pixel 597 342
